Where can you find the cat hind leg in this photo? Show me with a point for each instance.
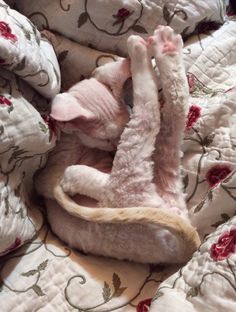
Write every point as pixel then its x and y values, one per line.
pixel 130 183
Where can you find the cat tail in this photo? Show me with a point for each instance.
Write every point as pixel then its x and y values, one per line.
pixel 179 227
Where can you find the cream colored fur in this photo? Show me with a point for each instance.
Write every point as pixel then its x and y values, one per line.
pixel 158 231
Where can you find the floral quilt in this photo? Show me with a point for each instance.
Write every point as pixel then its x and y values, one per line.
pixel 106 24
pixel 46 275
pixel 29 77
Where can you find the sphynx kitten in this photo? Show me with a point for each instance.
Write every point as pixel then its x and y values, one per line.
pixel 93 118
pixel 145 170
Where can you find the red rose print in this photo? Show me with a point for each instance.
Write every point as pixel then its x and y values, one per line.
pixel 121 16
pixel 217 174
pixel 193 115
pixel 5 101
pixel 5 32
pixel 51 123
pixel 224 247
pixel 144 305
pixel 123 13
pixel 13 246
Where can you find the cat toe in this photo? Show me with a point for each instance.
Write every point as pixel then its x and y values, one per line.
pixel 164 33
pixel 136 46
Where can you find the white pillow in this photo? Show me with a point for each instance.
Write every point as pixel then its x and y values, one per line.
pixel 24 52
pixel 106 24
pixel 76 61
pixel 25 141
pixel 25 136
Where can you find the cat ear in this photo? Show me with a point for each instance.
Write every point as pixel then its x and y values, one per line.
pixel 66 107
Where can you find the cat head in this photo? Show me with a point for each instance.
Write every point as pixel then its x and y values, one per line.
pixel 90 110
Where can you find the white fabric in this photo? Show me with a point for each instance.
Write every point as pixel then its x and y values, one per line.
pixel 203 285
pixel 215 70
pixel 25 137
pixel 92 21
pixel 20 156
pixel 45 277
pixel 29 56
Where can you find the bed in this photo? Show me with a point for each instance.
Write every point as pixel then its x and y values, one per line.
pixel 38 272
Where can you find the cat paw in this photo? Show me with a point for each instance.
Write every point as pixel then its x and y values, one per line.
pixel 68 181
pixel 164 42
pixel 137 47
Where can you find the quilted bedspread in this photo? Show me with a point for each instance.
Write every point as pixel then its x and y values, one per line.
pixel 46 275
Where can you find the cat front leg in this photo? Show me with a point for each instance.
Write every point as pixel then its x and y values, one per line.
pixel 130 183
pixel 166 47
pixel 84 180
